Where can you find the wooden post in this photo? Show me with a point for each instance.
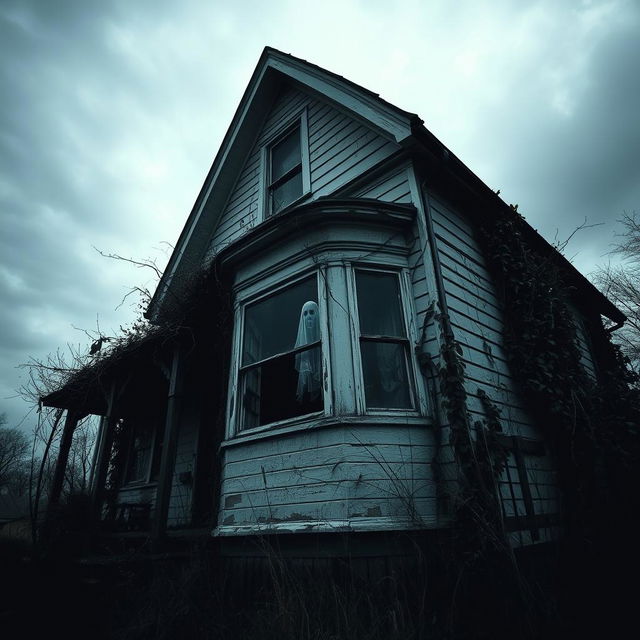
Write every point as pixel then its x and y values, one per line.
pixel 167 462
pixel 63 456
pixel 102 427
pixel 99 474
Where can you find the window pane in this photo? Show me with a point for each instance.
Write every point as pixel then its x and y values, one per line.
pixel 286 192
pixel 282 388
pixel 384 368
pixel 285 155
pixel 139 453
pixel 277 324
pixel 379 304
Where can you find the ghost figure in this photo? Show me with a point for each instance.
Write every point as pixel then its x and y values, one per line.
pixel 308 363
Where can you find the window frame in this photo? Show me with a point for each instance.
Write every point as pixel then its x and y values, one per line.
pixel 155 451
pixel 408 312
pixel 258 293
pixel 298 121
pixel 328 305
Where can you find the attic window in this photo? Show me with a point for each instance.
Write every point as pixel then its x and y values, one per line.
pixel 286 166
pixel 285 161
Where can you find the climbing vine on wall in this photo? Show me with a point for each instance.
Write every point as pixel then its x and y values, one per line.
pixel 587 422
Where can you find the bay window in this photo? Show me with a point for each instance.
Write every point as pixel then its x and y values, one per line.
pixel 281 358
pixel 324 322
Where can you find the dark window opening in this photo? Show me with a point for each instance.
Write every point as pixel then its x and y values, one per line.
pixel 281 372
pixel 145 447
pixel 383 341
pixel 285 179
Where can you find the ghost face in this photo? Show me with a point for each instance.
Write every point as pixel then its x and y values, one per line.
pixel 309 325
pixel 310 316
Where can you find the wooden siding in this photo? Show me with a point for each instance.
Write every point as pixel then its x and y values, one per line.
pixel 477 322
pixel 340 148
pixel 342 473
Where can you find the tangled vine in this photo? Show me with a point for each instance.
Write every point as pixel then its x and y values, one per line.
pixel 588 423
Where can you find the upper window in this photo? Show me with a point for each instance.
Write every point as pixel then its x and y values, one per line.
pixel 286 163
pixel 280 374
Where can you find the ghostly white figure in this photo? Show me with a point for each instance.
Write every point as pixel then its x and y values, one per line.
pixel 308 363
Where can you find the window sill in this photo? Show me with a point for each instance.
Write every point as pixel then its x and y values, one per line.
pixel 395 420
pixel 321 526
pixel 292 205
pixel 132 486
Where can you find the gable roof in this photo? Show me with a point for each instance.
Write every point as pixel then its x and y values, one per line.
pixel 272 69
pixel 275 67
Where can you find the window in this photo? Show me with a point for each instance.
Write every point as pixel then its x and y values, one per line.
pixel 286 166
pixel 288 373
pixel 324 320
pixel 145 446
pixel 383 340
pixel 280 374
pixel 285 163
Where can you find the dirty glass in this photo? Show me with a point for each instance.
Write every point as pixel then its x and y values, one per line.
pixel 281 370
pixel 383 343
pixel 286 172
pixel 286 192
pixel 285 155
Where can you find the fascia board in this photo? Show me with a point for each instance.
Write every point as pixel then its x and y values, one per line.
pixel 217 168
pixel 371 109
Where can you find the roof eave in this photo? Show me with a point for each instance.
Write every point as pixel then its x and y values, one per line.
pixel 493 202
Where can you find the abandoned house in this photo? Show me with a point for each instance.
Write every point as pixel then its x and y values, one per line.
pixel 333 254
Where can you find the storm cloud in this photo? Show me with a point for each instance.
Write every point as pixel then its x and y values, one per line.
pixel 112 112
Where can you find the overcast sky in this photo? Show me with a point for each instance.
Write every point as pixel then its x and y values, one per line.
pixel 111 113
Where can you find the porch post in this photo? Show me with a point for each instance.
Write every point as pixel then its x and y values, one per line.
pixel 167 461
pixel 63 456
pixel 102 427
pixel 99 474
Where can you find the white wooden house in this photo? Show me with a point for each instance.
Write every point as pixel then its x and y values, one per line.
pixel 344 229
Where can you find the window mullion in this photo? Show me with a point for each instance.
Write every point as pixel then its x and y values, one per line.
pixel 285 176
pixel 292 352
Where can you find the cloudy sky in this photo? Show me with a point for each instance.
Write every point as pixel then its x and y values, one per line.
pixel 111 112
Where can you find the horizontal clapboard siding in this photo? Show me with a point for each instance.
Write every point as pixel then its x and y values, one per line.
pixel 476 315
pixel 336 473
pixel 340 148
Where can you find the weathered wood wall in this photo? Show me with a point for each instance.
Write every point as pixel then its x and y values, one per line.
pixel 340 148
pixel 477 321
pixel 350 475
